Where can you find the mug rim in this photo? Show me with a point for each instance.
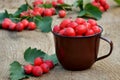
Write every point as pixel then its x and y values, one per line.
pixel 79 36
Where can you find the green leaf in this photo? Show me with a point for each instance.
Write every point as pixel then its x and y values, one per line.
pixel 85 2
pixel 82 13
pixel 3 15
pixel 30 54
pixel 63 7
pixel 117 1
pixel 22 8
pixel 46 5
pixel 51 57
pixel 79 3
pixel 16 71
pixel 93 11
pixel 44 24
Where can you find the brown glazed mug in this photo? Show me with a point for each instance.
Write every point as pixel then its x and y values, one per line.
pixel 79 53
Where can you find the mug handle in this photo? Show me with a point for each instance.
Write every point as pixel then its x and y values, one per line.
pixel 111 48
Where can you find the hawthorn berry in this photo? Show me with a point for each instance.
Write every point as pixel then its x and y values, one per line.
pixel 62 13
pixel 69 32
pixel 89 32
pixel 73 24
pixel 31 26
pixel 92 22
pixel 25 22
pixel 48 12
pixel 6 23
pixel 64 23
pixel 54 3
pixel 80 20
pixel 96 29
pixel 56 29
pixel 12 26
pixel 49 63
pixel 38 61
pixel 37 71
pixel 61 32
pixel 81 29
pixel 28 69
pixel 19 26
pixel 60 1
pixel 45 68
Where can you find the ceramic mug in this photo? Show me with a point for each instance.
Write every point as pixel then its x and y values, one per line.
pixel 79 53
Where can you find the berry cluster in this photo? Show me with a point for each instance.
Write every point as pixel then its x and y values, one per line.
pixel 78 27
pixel 54 3
pixel 101 4
pixel 40 66
pixel 24 24
pixel 41 11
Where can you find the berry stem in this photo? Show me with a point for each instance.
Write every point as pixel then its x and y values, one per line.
pixel 28 4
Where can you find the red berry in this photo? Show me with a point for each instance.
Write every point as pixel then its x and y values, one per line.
pixel 106 7
pixel 81 29
pixel 54 3
pixel 95 4
pixel 60 1
pixel 80 21
pixel 48 12
pixel 69 32
pixel 62 13
pixel 64 23
pixel 37 2
pixel 72 24
pixel 96 29
pixel 36 13
pixel 19 26
pixel 101 9
pixel 56 29
pixel 45 68
pixel 88 25
pixel 38 61
pixel 49 63
pixel 28 69
pixel 92 22
pixel 96 0
pixel 25 22
pixel 6 23
pixel 12 26
pixel 102 2
pixel 38 9
pixel 31 26
pixel 37 71
pixel 89 32
pixel 61 32
pixel 53 11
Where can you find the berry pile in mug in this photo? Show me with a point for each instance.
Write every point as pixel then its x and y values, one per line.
pixel 77 27
pixel 20 26
pixel 41 11
pixel 40 67
pixel 101 4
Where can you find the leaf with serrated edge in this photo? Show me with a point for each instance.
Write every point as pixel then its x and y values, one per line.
pixel 3 15
pixel 51 57
pixel 16 71
pixel 44 24
pixel 22 8
pixel 93 11
pixel 30 54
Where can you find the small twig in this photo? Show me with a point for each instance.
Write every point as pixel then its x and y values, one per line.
pixel 28 4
